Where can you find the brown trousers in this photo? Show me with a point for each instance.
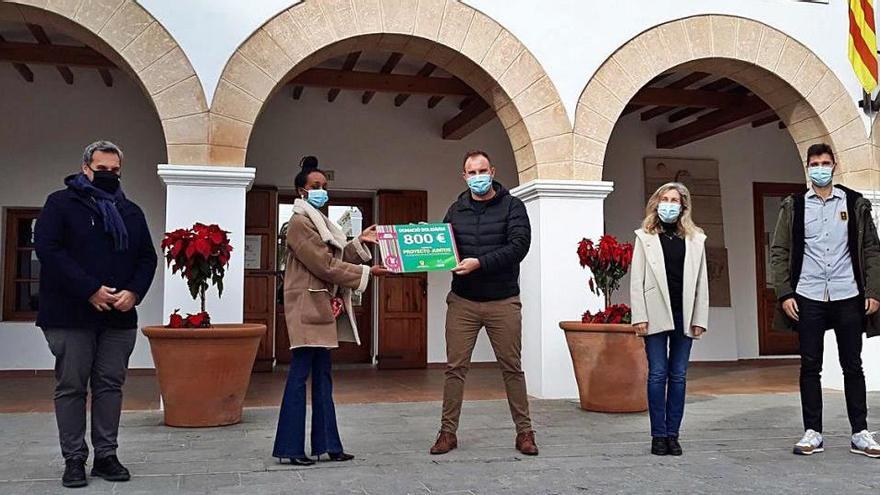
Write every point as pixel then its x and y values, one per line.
pixel 503 323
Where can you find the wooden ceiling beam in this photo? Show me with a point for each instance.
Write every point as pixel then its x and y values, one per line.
pixel 715 123
pixel 476 115
pixel 348 65
pixel 68 56
pixel 684 82
pixel 66 73
pixel 425 71
pixel 686 98
pixel 683 114
pixel 628 109
pixel 434 101
pixel 371 83
pixel 721 84
pixel 766 120
pixel 655 112
pixel 23 70
pixel 388 68
pixel 107 77
pixel 42 38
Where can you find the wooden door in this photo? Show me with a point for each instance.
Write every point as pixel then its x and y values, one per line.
pixel 403 299
pixel 767 199
pixel 259 273
pixel 282 338
pixel 349 209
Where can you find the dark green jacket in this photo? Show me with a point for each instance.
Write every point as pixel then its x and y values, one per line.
pixel 787 252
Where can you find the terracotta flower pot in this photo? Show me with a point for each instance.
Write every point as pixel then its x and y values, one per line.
pixel 610 366
pixel 204 373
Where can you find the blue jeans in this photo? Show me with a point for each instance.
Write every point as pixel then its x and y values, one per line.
pixel 290 438
pixel 668 354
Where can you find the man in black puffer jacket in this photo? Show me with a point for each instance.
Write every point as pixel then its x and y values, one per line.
pixel 493 234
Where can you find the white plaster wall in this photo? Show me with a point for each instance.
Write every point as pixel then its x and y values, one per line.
pixel 570 38
pixel 562 213
pixel 190 201
pixel 745 155
pixel 378 146
pixel 45 126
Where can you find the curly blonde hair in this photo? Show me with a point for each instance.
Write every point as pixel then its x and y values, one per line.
pixel 686 226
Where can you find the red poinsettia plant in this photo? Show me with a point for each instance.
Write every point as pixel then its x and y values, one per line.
pixel 200 254
pixel 608 261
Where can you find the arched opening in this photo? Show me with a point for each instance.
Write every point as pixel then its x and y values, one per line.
pixel 306 74
pixel 393 128
pixel 63 85
pixel 451 35
pixel 728 106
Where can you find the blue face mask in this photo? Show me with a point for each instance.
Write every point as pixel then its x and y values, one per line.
pixel 317 198
pixel 821 175
pixel 479 184
pixel 668 212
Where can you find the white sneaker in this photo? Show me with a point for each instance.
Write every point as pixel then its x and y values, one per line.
pixel 863 443
pixel 810 444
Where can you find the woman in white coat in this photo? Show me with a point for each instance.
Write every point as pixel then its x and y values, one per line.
pixel 669 292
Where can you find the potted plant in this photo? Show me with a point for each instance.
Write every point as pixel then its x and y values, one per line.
pixel 204 370
pixel 608 357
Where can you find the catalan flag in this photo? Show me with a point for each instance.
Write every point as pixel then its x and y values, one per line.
pixel 863 42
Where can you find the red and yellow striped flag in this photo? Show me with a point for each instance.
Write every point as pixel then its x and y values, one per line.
pixel 863 42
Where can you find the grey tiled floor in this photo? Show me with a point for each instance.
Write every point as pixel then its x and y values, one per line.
pixel 733 444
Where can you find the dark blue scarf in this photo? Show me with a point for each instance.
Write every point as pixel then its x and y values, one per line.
pixel 107 206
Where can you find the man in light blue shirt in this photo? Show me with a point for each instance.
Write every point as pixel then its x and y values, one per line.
pixel 827 272
pixel 825 260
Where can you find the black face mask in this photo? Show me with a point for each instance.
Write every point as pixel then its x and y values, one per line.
pixel 106 181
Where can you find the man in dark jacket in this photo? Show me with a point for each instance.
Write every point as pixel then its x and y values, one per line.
pixel 97 263
pixel 825 260
pixel 493 234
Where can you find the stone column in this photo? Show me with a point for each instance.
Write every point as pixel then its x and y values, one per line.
pixel 554 287
pixel 832 375
pixel 208 194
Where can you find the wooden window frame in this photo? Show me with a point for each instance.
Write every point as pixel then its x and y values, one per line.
pixel 10 250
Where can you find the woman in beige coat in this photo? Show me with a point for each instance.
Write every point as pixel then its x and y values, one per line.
pixel 321 272
pixel 669 292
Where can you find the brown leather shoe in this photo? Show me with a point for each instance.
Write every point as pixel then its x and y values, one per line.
pixel 525 443
pixel 445 442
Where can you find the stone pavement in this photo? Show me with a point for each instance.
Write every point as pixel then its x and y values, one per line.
pixel 733 444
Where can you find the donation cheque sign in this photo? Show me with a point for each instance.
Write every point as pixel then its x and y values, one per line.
pixel 426 247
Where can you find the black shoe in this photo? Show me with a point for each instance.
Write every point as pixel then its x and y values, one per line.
pixel 340 457
pixel 659 446
pixel 297 461
pixel 74 474
pixel 673 446
pixel 110 469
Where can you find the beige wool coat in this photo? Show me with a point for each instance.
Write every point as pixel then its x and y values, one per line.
pixel 321 265
pixel 649 290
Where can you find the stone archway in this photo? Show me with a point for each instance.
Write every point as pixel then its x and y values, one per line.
pixel 129 35
pixel 804 92
pixel 450 34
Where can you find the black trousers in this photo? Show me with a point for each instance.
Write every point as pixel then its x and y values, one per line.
pixel 847 318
